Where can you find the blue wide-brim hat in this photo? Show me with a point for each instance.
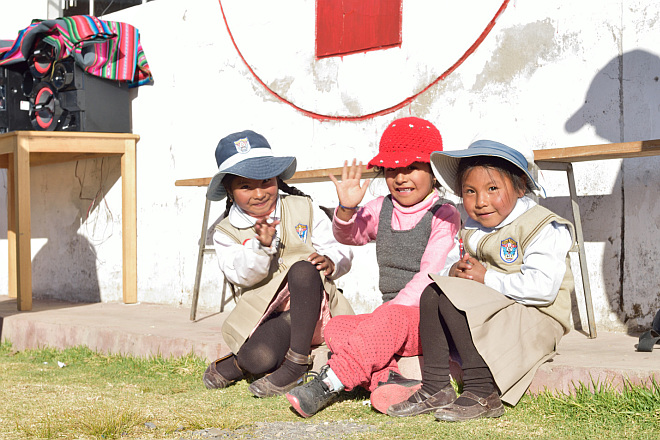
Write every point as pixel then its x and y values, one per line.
pixel 445 163
pixel 247 154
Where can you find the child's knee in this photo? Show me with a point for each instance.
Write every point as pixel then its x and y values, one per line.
pixel 303 266
pixel 429 298
pixel 303 274
pixel 256 360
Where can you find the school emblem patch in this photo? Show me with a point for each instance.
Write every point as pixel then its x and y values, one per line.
pixel 242 145
pixel 509 250
pixel 302 232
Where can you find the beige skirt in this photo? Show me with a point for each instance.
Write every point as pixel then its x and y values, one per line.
pixel 513 339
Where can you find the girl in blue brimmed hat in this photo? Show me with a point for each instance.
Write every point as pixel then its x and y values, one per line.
pixel 280 251
pixel 503 299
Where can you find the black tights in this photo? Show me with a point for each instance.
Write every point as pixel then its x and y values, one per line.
pixel 440 325
pixel 264 351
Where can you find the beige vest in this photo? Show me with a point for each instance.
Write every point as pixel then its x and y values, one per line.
pixel 296 213
pixel 503 251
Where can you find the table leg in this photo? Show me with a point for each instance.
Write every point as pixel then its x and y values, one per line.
pixel 11 227
pixel 22 225
pixel 129 223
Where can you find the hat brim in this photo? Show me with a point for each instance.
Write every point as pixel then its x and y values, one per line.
pixel 445 165
pixel 257 168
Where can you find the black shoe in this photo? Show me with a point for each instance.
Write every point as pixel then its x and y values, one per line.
pixel 395 378
pixel 310 398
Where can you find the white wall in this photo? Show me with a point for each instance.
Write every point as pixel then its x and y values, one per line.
pixel 17 15
pixel 550 74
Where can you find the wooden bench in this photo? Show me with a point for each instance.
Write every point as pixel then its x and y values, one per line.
pixel 308 176
pixel 557 159
pixel 561 159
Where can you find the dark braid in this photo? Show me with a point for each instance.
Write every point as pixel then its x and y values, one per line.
pixel 228 207
pixel 226 182
pixel 292 190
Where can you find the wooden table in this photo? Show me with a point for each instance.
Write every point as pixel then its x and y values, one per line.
pixel 20 150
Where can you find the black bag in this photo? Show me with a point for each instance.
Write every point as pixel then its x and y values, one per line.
pixel 651 337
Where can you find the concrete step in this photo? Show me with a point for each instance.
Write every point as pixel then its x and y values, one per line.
pixel 152 329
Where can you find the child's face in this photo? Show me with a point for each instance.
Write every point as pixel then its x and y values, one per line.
pixel 410 185
pixel 488 196
pixel 256 197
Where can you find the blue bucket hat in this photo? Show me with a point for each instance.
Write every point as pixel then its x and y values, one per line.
pixel 445 163
pixel 247 154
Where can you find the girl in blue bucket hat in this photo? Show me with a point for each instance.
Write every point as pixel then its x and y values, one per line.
pixel 503 298
pixel 278 248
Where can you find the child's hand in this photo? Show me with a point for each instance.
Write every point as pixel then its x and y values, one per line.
pixel 322 263
pixel 469 269
pixel 349 190
pixel 265 228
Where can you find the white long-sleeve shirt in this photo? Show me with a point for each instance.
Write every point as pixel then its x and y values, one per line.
pixel 544 262
pixel 246 264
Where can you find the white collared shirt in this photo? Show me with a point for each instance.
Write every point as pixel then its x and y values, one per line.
pixel 544 262
pixel 246 264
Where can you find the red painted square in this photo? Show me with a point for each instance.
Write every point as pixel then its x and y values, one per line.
pixel 348 26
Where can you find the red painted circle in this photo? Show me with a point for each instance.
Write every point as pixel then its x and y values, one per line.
pixel 384 111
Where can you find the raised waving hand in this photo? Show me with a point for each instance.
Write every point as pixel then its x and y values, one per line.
pixel 349 191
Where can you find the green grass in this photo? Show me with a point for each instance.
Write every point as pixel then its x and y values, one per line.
pixel 99 396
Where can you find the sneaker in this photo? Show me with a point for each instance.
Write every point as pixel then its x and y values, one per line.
pixel 310 398
pixel 396 389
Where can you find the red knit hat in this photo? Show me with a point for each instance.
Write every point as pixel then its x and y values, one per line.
pixel 405 141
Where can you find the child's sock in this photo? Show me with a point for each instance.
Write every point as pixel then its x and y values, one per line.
pixel 287 373
pixel 332 381
pixel 481 386
pixel 435 378
pixel 229 369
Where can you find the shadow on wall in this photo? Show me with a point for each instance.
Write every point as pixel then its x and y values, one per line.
pixel 622 105
pixel 66 267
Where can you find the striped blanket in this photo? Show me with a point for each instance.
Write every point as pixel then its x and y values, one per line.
pixel 107 49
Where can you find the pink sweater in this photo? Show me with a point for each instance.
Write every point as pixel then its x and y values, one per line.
pixel 363 228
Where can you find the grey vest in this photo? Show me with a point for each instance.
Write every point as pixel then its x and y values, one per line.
pixel 399 253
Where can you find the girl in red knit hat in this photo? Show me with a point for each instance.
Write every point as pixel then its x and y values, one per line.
pixel 414 229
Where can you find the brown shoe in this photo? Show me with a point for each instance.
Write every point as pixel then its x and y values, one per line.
pixel 213 379
pixel 425 403
pixel 490 406
pixel 263 387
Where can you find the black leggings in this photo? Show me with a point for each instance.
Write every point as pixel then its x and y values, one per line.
pixel 440 325
pixel 264 351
